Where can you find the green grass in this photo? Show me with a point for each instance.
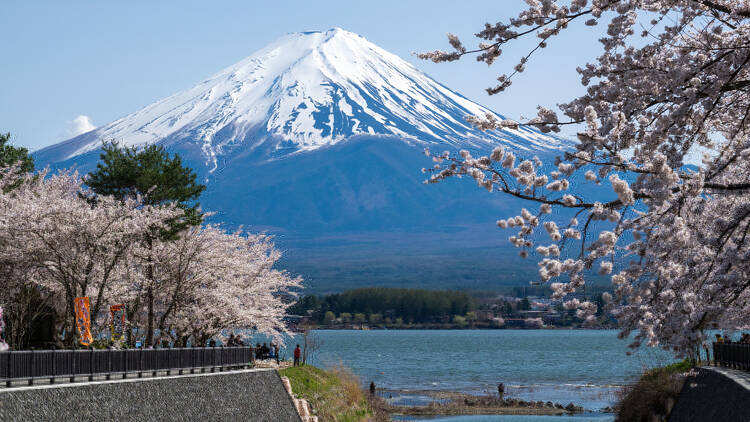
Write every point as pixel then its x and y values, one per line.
pixel 675 368
pixel 334 394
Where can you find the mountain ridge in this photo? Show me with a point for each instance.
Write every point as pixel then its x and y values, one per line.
pixel 301 92
pixel 324 150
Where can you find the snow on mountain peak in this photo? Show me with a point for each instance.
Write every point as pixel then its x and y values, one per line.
pixel 307 90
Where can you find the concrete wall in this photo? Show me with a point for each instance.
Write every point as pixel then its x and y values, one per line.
pixel 252 395
pixel 713 396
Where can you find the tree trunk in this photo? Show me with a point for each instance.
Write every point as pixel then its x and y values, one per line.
pixel 151 317
pixel 150 296
pixel 71 335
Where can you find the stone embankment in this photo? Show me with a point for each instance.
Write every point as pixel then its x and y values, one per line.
pixel 714 394
pixel 247 395
pixel 302 406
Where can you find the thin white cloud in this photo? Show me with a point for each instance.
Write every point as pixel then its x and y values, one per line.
pixel 79 125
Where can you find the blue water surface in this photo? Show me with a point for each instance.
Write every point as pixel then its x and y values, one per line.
pixel 585 367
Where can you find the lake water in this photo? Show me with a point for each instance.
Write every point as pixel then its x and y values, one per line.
pixel 585 367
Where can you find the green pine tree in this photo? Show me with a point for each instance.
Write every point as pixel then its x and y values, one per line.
pixel 151 174
pixel 10 155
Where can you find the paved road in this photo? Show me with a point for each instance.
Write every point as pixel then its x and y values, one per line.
pixel 714 395
pixel 249 395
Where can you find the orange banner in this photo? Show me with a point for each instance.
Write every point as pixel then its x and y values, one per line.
pixel 83 320
pixel 117 322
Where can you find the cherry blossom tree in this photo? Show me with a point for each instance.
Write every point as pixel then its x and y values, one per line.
pixel 58 236
pixel 68 245
pixel 673 79
pixel 218 281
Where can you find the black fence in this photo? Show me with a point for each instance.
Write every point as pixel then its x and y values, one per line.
pixel 733 355
pixel 53 364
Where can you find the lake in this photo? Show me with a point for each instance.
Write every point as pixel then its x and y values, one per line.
pixel 585 367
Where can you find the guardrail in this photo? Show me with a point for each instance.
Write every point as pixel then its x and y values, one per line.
pixel 733 355
pixel 53 364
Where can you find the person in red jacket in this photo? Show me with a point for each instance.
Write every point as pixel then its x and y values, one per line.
pixel 297 354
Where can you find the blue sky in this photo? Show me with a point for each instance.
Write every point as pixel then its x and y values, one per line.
pixel 62 60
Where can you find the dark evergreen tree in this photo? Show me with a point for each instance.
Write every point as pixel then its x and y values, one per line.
pixel 412 305
pixel 10 155
pixel 525 305
pixel 151 174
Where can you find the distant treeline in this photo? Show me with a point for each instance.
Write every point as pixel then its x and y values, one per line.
pixel 407 305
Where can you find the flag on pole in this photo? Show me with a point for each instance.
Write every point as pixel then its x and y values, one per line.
pixel 83 320
pixel 117 322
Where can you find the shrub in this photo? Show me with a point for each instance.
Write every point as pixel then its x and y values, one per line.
pixel 655 393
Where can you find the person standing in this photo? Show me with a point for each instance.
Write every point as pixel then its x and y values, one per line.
pixel 501 391
pixel 297 354
pixel 276 352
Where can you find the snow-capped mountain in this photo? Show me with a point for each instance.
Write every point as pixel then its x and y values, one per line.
pixel 304 91
pixel 318 138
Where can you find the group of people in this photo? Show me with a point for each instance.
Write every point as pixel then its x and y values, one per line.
pixel 235 340
pixel 267 351
pixel 232 341
pixel 262 351
pixel 744 338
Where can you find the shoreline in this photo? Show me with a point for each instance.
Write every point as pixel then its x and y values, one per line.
pixel 452 403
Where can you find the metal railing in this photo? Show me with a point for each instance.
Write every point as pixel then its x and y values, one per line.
pixel 733 355
pixel 55 364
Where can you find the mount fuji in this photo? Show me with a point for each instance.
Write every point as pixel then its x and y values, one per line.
pixel 318 138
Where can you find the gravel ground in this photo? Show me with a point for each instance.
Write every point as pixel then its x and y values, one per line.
pixel 254 395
